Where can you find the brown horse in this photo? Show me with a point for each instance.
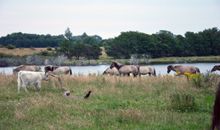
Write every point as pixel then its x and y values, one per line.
pixel 26 68
pixel 125 69
pixel 216 111
pixel 144 70
pixel 216 67
pixel 180 69
pixel 58 69
pixel 110 71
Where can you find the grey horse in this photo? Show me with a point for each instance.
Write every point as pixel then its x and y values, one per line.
pixel 58 69
pixel 144 70
pixel 180 69
pixel 26 68
pixel 125 69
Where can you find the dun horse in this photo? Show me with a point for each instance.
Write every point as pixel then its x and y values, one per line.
pixel 125 69
pixel 58 69
pixel 180 69
pixel 26 68
pixel 216 67
pixel 110 71
pixel 144 70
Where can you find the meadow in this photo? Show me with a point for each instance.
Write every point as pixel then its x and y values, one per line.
pixel 21 51
pixel 149 103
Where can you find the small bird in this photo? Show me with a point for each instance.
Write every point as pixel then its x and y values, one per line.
pixel 67 93
pixel 88 94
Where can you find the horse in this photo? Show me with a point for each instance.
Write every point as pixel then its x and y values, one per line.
pixel 27 68
pixel 58 69
pixel 216 111
pixel 125 69
pixel 216 67
pixel 110 71
pixel 144 70
pixel 181 70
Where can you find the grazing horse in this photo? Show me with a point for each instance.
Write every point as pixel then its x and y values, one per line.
pixel 216 111
pixel 125 69
pixel 216 67
pixel 144 70
pixel 26 68
pixel 181 70
pixel 58 69
pixel 110 71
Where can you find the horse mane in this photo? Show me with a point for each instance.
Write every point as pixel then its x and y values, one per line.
pixel 117 65
pixel 54 67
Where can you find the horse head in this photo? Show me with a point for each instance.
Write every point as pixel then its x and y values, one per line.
pixel 48 68
pixel 115 64
pixel 216 67
pixel 169 68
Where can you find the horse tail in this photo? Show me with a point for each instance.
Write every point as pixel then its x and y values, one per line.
pixel 71 72
pixel 138 70
pixel 197 70
pixel 155 73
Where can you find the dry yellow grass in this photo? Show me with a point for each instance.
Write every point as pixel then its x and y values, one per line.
pixel 21 51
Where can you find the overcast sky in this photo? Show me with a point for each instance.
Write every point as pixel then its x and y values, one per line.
pixel 107 18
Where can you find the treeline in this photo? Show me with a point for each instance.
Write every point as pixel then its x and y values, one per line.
pixel 164 44
pixel 31 40
pixel 126 45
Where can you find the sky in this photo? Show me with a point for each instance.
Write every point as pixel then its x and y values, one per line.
pixel 107 18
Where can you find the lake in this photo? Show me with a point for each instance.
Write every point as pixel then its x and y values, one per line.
pixel 161 69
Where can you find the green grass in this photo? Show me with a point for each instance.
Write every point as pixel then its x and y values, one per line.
pixel 115 103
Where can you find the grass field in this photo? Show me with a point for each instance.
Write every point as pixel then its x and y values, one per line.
pixel 21 51
pixel 149 103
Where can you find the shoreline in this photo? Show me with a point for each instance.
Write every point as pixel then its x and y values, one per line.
pixel 40 60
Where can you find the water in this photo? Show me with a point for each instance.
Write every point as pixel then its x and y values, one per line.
pixel 161 69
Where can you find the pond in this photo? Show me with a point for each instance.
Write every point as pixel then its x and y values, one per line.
pixel 161 69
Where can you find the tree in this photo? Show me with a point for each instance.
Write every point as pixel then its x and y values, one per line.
pixel 68 34
pixel 66 48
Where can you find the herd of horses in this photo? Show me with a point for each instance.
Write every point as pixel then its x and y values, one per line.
pixel 116 69
pixel 126 70
pixel 136 70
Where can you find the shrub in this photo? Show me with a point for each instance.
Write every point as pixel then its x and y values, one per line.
pixel 9 46
pixel 49 48
pixel 199 80
pixel 182 102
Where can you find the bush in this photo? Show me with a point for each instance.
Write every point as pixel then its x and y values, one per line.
pixel 9 46
pixel 49 48
pixel 183 102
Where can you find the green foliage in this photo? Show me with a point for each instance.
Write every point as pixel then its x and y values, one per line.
pixel 49 48
pixel 77 50
pixel 31 40
pixel 164 44
pixel 68 34
pixel 10 46
pixel 183 102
